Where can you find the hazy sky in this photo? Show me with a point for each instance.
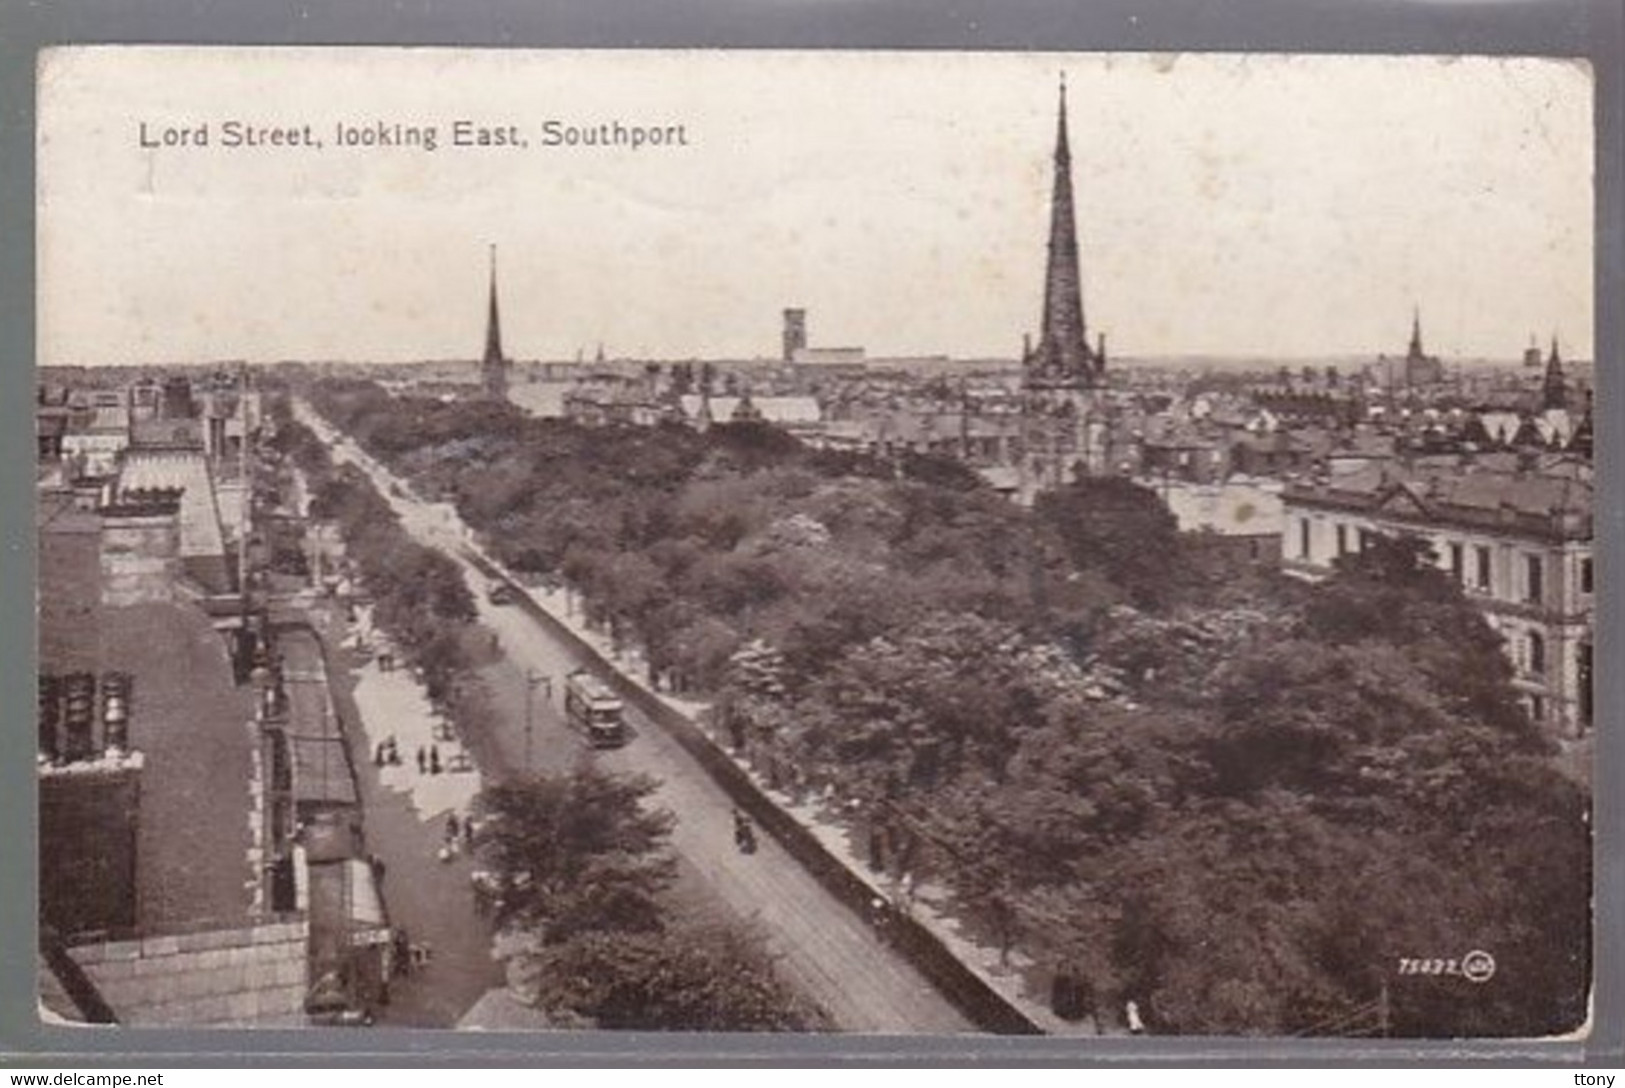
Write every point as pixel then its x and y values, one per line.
pixel 1226 205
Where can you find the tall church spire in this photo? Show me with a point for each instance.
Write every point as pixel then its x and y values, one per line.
pixel 1416 333
pixel 494 367
pixel 1063 355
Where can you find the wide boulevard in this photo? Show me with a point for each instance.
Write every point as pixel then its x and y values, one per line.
pixel 831 953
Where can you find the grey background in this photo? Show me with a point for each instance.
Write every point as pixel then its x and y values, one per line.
pixel 1564 28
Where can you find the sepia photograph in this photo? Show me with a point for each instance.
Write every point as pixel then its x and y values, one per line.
pixel 1088 545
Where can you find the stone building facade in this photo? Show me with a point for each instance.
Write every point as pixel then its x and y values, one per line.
pixel 1519 544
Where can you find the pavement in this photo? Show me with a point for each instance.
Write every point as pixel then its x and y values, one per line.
pixel 405 818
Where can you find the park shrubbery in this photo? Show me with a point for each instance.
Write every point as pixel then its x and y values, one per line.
pixel 1234 799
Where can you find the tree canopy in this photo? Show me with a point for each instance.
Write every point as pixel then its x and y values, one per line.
pixel 1238 800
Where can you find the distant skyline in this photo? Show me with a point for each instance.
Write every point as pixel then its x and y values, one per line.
pixel 1271 207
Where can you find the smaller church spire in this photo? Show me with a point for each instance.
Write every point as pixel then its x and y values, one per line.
pixel 1554 391
pixel 493 321
pixel 494 366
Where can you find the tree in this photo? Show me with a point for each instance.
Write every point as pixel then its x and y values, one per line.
pixel 1391 591
pixel 694 977
pixel 578 853
pixel 581 863
pixel 1112 524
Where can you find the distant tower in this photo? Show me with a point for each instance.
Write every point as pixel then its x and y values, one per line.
pixel 795 333
pixel 1063 432
pixel 494 366
pixel 1531 354
pixel 1555 390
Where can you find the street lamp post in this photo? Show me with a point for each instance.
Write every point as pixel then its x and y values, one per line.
pixel 533 679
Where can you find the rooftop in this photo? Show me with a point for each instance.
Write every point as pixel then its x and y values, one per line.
pixel 244 977
pixel 191 722
pixel 187 718
pixel 1555 502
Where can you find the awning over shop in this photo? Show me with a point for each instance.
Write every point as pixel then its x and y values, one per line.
pixel 321 771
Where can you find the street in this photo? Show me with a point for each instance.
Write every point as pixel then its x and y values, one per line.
pixel 821 946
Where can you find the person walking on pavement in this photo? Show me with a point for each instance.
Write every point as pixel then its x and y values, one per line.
pixel 403 953
pixel 423 760
pixel 452 827
pixel 880 918
pixel 744 833
pixel 434 759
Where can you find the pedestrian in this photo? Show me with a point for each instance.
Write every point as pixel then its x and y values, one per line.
pixel 468 834
pixel 378 754
pixel 394 755
pixel 378 867
pixel 879 917
pixel 1131 1016
pixel 452 827
pixel 403 952
pixel 423 760
pixel 434 759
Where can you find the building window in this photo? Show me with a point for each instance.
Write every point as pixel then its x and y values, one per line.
pixel 1585 576
pixel 1457 563
pixel 1537 708
pixel 1303 538
pixel 1482 554
pixel 1535 580
pixel 1537 654
pixel 1342 539
pixel 1583 683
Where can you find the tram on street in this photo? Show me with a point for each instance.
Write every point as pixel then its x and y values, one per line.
pixel 593 710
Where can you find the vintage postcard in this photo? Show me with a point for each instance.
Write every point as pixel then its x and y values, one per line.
pixel 912 543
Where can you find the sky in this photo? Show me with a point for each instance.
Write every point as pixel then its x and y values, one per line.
pixel 1264 206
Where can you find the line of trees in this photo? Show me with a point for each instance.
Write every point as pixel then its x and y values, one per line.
pixel 1234 799
pixel 420 597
